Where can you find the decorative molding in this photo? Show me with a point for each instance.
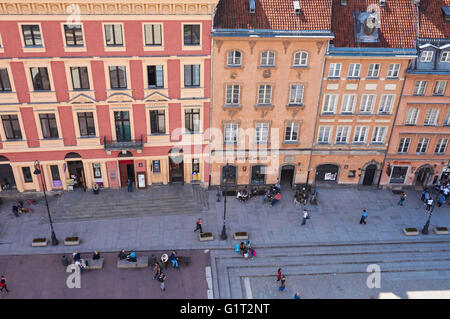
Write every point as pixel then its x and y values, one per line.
pixel 319 46
pixel 299 75
pixel 267 74
pixel 252 44
pixel 294 113
pixel 219 44
pixel 286 44
pixel 231 113
pixel 105 7
pixel 233 75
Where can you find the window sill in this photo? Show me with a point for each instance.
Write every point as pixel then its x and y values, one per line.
pixel 87 137
pixel 112 48
pixel 365 114
pixel 347 113
pixel 266 66
pixel 381 114
pixel 372 78
pixel 290 105
pixel 334 78
pixel 392 78
pixel 75 48
pixel 300 67
pixel 231 66
pixel 290 143
pixel 37 48
pixel 230 106
pixel 264 106
pixel 327 113
pixel 357 78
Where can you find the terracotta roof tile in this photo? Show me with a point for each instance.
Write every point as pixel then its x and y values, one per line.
pixel 432 23
pixel 273 15
pixel 398 28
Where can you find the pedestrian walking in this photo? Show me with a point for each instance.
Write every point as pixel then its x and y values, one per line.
pixel 283 283
pixel 402 199
pixel 429 204
pixel 297 295
pixel 174 259
pixel 423 195
pixel 3 284
pixel 162 278
pixel 157 270
pixel 305 216
pixel 129 185
pixel 279 274
pixel 199 226
pixel 363 217
pixel 441 200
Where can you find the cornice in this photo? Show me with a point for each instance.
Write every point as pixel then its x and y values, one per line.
pixel 106 7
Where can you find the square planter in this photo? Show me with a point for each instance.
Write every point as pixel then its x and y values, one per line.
pixel 240 235
pixel 441 230
pixel 206 236
pixel 39 242
pixel 410 231
pixel 72 241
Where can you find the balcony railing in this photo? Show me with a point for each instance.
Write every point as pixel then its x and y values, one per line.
pixel 111 145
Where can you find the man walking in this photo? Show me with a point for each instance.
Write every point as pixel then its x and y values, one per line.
pixel 3 284
pixel 199 226
pixel 363 217
pixel 305 216
pixel 162 278
pixel 129 185
pixel 429 204
pixel 279 274
pixel 283 283
pixel 402 199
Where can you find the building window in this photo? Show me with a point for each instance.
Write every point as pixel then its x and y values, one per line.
pixel 96 168
pixel 5 85
pixel 265 94
pixel 262 132
pixel 353 70
pixel 296 94
pixel 441 146
pixel 447 118
pixel 422 146
pixel 156 167
pixel 192 75
pixel 155 76
pixel 360 134
pixel 113 34
pixel 379 134
pixel 291 132
pixel 367 103
pixel 232 94
pixel 12 127
pixel 40 79
pixel 403 147
pixel 55 172
pixel 73 34
pixel 192 120
pixel 374 70
pixel 386 103
pixel 80 78
pixel 431 117
pixel 300 58
pixel 420 87
pixel 191 34
pixel 229 174
pixel 445 56
pixel 195 166
pixel 348 103
pixel 393 71
pixel 398 175
pixel 234 58
pixel 268 58
pixel 439 87
pixel 324 135
pixel 334 70
pixel 86 123
pixel 153 34
pixel 31 35
pixel 48 125
pixel 258 175
pixel 27 177
pixel 230 133
pixel 342 134
pixel 158 122
pixel 426 56
pixel 329 103
pixel 118 77
pixel 411 117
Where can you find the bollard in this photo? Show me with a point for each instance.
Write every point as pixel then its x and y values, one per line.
pixel 64 261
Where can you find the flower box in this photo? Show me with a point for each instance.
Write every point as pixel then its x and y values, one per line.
pixel 441 230
pixel 206 236
pixel 72 241
pixel 240 235
pixel 410 231
pixel 39 242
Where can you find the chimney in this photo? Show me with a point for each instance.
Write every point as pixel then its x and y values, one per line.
pixel 296 6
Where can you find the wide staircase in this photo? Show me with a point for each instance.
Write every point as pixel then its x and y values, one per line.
pixel 411 260
pixel 113 203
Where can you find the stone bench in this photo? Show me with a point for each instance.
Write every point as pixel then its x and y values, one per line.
pixel 94 263
pixel 142 262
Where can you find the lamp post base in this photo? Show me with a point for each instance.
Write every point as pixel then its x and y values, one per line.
pixel 223 236
pixel 55 241
pixel 425 228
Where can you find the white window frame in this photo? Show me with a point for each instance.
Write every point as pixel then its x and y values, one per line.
pixel 329 103
pixel 447 118
pixel 422 145
pixel 232 93
pixel 411 117
pixel 354 70
pixel 296 94
pixel 367 103
pixel 265 94
pixel 386 104
pixel 445 57
pixel 426 56
pixel 267 59
pixel 262 132
pixel 440 87
pixel 431 117
pixel 300 58
pixel 393 71
pixel 231 57
pixel 402 143
pixel 324 135
pixel 360 135
pixel 335 70
pixel 342 134
pixel 441 146
pixel 379 134
pixel 420 87
pixel 348 103
pixel 294 127
pixel 230 133
pixel 374 70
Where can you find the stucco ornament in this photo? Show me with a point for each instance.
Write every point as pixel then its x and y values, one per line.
pixel 266 74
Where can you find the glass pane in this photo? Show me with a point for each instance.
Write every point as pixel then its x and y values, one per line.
pixel 159 76
pixel 161 122
pixel 84 78
pixel 122 77
pixel 113 77
pixel 76 78
pixel 79 36
pixel 187 75
pixel 37 35
pixel 27 36
pixel 90 125
pixel 109 34
pixel 68 30
pixel 5 85
pixel 151 72
pixel 82 124
pixel 148 29
pixel 118 34
pixel 157 36
pixel 55 172
pixel 44 78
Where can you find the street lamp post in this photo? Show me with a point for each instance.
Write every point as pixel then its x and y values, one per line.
pixel 427 224
pixel 37 171
pixel 223 236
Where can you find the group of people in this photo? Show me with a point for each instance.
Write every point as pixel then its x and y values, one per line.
pixel 273 194
pixel 245 249
pixel 282 279
pixel 158 267
pixel 83 263
pixel 443 190
pixel 244 195
pixel 20 208
pixel 131 257
pixel 301 196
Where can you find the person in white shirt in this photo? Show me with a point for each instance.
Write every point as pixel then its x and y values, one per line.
pixel 429 204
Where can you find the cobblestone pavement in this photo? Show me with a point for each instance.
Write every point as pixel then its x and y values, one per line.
pixel 44 276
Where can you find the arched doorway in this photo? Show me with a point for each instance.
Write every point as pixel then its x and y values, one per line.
pixel 369 173
pixel 423 176
pixel 126 168
pixel 7 180
pixel 176 166
pixel 327 173
pixel 76 170
pixel 229 175
pixel 287 175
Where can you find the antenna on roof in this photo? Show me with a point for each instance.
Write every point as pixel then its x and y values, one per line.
pixel 252 6
pixel 296 6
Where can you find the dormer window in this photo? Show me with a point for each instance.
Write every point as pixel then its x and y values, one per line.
pixel 296 4
pixel 300 58
pixel 445 56
pixel 446 12
pixel 268 58
pixel 426 56
pixel 252 6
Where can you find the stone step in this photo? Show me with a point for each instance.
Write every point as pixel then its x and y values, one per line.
pixel 173 205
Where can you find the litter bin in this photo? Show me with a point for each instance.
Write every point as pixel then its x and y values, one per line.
pixel 64 261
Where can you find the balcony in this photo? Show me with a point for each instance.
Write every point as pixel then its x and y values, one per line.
pixel 111 145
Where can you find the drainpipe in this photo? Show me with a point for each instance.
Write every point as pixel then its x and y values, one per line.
pixel 211 97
